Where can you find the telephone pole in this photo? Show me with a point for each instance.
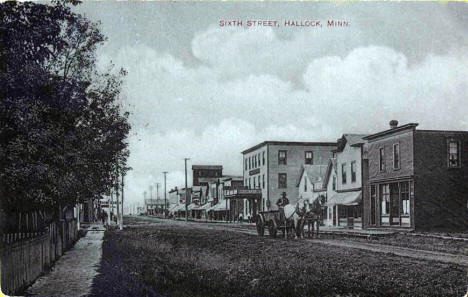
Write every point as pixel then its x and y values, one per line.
pixel 165 201
pixel 121 220
pixel 186 190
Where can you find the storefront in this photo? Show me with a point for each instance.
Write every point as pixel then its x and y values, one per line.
pixel 244 203
pixel 390 203
pixel 345 208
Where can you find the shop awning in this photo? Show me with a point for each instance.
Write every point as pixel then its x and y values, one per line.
pixel 221 206
pixel 193 206
pixel 345 198
pixel 173 207
pixel 180 207
pixel 205 207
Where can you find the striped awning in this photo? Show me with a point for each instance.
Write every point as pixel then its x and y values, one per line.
pixel 345 198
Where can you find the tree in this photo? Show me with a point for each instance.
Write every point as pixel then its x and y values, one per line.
pixel 62 130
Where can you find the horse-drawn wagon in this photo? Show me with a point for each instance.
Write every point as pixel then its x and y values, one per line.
pixel 273 221
pixel 290 219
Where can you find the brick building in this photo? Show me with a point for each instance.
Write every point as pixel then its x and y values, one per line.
pixel 275 166
pixel 418 179
pixel 203 174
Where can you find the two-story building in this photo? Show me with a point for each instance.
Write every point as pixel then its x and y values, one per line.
pixel 345 197
pixel 418 179
pixel 274 168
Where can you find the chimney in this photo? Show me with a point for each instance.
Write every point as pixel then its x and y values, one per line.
pixel 393 124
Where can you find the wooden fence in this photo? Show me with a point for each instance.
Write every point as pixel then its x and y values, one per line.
pixel 24 256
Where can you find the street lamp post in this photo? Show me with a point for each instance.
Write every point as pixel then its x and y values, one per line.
pixel 165 202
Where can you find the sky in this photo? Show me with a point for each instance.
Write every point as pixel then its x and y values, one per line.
pixel 203 91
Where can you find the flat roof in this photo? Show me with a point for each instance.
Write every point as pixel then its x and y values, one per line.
pixel 288 143
pixel 207 167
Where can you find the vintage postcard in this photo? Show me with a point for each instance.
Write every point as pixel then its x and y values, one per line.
pixel 233 149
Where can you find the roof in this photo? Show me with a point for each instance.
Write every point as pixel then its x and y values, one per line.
pixel 391 131
pixel 288 143
pixel 351 139
pixel 219 167
pixel 330 166
pixel 314 173
pixel 232 177
pixel 345 198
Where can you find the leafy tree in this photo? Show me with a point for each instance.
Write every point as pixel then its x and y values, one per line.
pixel 62 130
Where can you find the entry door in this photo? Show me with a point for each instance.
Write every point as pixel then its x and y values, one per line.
pixel 394 204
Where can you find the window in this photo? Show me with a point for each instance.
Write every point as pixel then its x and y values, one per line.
pixel 453 153
pixel 258 157
pixel 343 173
pixel 246 162
pixel 334 183
pixel 309 157
pixel 254 183
pixel 305 184
pixel 396 156
pixel 353 171
pixel 282 158
pixel 263 158
pixel 404 196
pixel 282 181
pixel 381 159
pixel 263 180
pixel 250 163
pixel 249 182
pixel 385 199
pixel 259 184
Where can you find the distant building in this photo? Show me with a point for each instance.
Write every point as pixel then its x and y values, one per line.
pixel 203 174
pixel 274 167
pixel 417 178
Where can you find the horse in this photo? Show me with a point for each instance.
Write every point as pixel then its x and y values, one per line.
pixel 296 213
pixel 314 217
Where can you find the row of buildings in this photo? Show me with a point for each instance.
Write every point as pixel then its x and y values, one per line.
pixel 402 177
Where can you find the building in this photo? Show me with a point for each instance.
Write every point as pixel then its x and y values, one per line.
pixel 418 179
pixel 310 183
pixel 347 171
pixel 329 186
pixel 203 174
pixel 274 167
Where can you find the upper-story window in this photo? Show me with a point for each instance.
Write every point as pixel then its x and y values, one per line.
pixel 309 157
pixel 396 156
pixel 259 160
pixel 454 153
pixel 263 181
pixel 334 183
pixel 246 164
pixel 255 161
pixel 254 182
pixel 250 163
pixel 282 158
pixel 353 171
pixel 343 173
pixel 282 180
pixel 381 159
pixel 263 158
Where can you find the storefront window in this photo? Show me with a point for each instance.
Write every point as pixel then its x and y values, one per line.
pixel 385 199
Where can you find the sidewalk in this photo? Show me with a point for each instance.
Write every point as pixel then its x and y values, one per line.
pixel 73 273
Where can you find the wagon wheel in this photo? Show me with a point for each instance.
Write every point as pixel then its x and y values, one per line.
pixel 273 228
pixel 260 225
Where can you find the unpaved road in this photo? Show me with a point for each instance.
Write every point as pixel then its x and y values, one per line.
pixel 341 242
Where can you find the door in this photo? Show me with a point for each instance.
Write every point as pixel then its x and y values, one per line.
pixel 394 204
